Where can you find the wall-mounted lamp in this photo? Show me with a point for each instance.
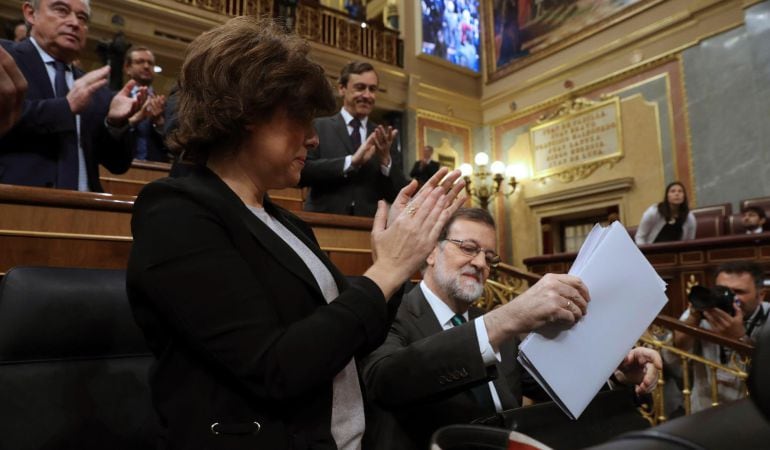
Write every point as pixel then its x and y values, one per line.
pixel 483 191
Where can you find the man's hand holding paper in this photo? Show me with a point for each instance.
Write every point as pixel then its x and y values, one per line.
pixel 572 360
pixel 563 300
pixel 555 298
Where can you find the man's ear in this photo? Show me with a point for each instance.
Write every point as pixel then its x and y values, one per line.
pixel 29 13
pixel 431 259
pixel 341 90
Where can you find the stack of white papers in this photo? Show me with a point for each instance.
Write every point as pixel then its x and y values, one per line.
pixel 572 365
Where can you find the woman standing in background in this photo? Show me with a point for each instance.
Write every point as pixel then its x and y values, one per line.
pixel 669 220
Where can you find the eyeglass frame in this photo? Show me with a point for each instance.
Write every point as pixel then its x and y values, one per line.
pixel 459 243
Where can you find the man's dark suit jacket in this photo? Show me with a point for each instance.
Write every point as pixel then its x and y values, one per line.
pixel 239 327
pixel 30 151
pixel 421 377
pixel 156 148
pixel 423 174
pixel 331 191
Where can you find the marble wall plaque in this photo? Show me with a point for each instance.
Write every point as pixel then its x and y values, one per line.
pixel 584 137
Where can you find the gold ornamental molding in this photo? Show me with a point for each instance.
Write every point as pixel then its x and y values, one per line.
pixel 588 88
pixel 617 185
pixel 428 114
pixel 586 170
pixel 567 108
pixel 691 281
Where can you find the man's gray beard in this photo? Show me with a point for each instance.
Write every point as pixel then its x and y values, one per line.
pixel 467 291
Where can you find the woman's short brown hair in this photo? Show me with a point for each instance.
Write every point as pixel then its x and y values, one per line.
pixel 239 74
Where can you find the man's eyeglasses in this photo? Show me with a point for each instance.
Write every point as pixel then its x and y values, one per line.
pixel 472 249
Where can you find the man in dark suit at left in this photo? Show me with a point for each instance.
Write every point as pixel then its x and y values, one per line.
pixel 357 162
pixel 447 362
pixel 70 121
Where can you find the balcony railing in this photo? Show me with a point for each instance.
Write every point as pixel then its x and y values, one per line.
pixel 320 24
pixel 234 7
pixel 335 29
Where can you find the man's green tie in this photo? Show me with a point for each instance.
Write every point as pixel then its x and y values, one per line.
pixel 480 392
pixel 457 319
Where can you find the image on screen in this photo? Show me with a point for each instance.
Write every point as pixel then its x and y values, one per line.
pixel 450 31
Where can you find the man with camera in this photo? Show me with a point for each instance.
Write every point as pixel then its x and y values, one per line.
pixel 734 309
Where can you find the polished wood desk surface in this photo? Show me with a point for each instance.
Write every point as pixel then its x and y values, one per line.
pixel 142 172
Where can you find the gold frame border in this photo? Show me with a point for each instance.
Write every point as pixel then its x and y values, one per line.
pixel 569 173
pixel 692 193
pixel 594 86
pixel 451 121
pixel 669 106
pixel 626 72
pixel 493 73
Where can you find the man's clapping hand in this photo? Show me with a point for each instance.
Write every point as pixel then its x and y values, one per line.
pixel 123 106
pixel 378 143
pixel 13 87
pixel 79 97
pixel 153 109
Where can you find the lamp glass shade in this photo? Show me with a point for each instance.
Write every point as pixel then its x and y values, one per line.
pixel 519 170
pixel 466 170
pixel 481 159
pixel 498 167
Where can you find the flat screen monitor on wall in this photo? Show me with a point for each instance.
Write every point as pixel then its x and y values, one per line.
pixel 450 31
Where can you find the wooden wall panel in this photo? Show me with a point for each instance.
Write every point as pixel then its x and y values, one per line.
pixel 81 229
pixel 351 263
pixel 681 264
pixel 61 250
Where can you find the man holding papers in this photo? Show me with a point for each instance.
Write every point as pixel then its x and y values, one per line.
pixel 446 362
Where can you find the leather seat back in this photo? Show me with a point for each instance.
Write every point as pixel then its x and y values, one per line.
pixel 73 364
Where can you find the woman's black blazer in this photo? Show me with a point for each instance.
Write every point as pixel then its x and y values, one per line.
pixel 239 327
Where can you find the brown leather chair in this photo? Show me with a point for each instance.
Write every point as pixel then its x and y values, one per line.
pixel 762 202
pixel 735 224
pixel 711 220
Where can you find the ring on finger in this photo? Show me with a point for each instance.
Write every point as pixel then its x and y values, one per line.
pixel 411 210
pixel 569 303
